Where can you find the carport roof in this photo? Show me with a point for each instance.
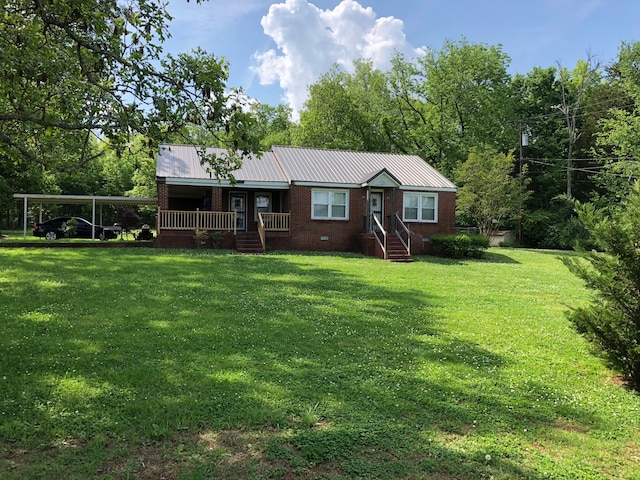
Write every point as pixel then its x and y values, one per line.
pixel 85 199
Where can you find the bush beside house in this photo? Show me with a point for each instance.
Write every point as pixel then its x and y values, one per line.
pixel 460 245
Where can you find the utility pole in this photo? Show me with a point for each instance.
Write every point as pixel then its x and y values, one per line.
pixel 524 141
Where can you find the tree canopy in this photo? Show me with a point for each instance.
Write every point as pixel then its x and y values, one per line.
pixel 76 70
pixel 489 192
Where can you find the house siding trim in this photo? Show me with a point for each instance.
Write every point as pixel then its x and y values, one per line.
pixel 328 185
pixel 195 182
pixel 426 189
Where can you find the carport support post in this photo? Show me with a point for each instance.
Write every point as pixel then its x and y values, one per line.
pixel 24 216
pixel 93 219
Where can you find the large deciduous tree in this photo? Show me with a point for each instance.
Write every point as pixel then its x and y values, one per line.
pixel 618 139
pixel 453 99
pixel 75 69
pixel 347 110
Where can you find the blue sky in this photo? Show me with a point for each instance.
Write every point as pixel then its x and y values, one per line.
pixel 277 48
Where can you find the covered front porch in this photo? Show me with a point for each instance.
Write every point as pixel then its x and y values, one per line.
pixel 220 215
pixel 177 223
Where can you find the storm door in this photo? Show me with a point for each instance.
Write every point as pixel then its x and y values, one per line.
pixel 238 204
pixel 376 206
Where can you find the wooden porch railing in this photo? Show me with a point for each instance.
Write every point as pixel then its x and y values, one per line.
pixel 225 221
pixel 275 222
pixel 192 220
pixel 261 231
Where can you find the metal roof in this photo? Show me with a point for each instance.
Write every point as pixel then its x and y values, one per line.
pixel 284 165
pixel 342 166
pixel 85 199
pixel 183 161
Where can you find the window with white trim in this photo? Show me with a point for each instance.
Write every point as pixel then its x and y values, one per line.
pixel 420 207
pixel 330 204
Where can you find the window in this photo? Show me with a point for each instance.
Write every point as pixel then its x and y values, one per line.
pixel 330 204
pixel 420 207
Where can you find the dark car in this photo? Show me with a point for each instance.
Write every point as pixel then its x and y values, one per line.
pixel 60 227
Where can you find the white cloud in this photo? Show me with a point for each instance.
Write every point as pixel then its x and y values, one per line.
pixel 310 40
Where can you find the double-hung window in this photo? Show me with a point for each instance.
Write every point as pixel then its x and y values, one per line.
pixel 330 204
pixel 420 207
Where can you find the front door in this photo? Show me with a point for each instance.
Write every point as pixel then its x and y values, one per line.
pixel 238 204
pixel 263 203
pixel 376 205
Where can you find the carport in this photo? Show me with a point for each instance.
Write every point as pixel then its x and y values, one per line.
pixel 92 200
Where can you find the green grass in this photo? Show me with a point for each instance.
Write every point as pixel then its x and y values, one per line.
pixel 149 363
pixel 9 236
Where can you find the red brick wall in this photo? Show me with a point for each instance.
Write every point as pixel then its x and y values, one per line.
pixel 422 231
pixel 341 235
pixel 184 239
pixel 216 200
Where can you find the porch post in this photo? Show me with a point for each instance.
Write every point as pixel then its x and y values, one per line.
pixel 394 202
pixel 93 218
pixel 367 222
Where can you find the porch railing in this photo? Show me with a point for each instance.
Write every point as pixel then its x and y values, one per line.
pixel 192 220
pixel 275 222
pixel 380 234
pixel 403 232
pixel 261 231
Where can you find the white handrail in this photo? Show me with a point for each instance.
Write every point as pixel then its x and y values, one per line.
pixel 383 243
pixel 405 229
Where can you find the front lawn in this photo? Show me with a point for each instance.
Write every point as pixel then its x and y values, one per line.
pixel 147 363
pixel 13 236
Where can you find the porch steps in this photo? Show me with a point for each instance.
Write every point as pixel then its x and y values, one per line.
pixel 396 251
pixel 248 242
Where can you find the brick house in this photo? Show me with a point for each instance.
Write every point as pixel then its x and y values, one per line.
pixel 306 199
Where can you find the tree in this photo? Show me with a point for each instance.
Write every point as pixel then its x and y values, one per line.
pixel 274 123
pixel 612 321
pixel 490 194
pixel 453 99
pixel 575 89
pixel 536 93
pixel 347 111
pixel 618 140
pixel 73 70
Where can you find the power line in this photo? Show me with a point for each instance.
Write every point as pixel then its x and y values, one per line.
pixel 593 170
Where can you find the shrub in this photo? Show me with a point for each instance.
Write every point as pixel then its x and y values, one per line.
pixel 612 321
pixel 460 245
pixel 128 218
pixel 201 237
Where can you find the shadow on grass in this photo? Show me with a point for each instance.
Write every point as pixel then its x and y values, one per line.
pixel 141 345
pixel 490 256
